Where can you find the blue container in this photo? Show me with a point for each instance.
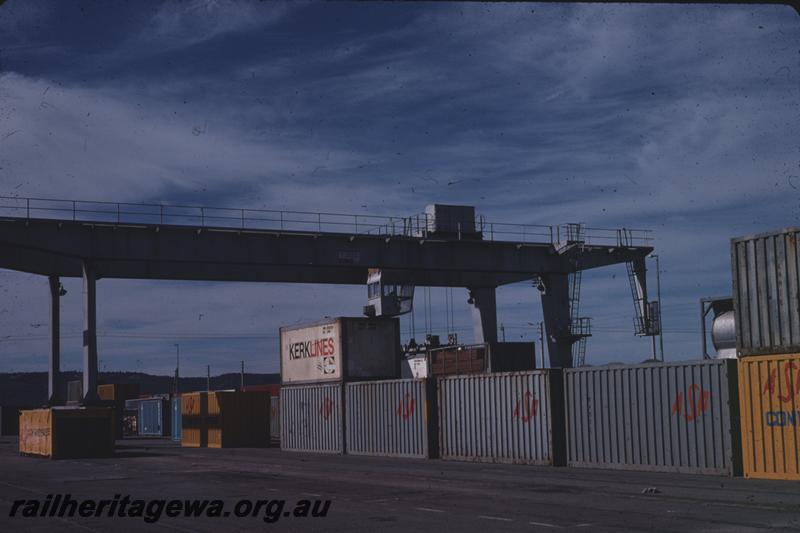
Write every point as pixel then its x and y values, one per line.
pixel 154 417
pixel 176 418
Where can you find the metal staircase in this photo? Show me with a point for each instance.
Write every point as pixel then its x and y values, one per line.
pixel 580 328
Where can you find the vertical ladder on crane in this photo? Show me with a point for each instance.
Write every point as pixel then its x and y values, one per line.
pixel 580 327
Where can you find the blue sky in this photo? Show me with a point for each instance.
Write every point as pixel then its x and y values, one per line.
pixel 682 119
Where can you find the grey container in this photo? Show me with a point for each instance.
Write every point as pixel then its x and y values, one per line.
pixel 766 282
pixel 312 419
pixel 676 417
pixel 512 417
pixel 275 418
pixel 395 418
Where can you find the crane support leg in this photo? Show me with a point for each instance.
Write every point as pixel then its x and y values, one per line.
pixel 89 334
pixel 556 309
pixel 54 369
pixel 484 314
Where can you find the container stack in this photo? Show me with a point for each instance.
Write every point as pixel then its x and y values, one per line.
pixel 766 301
pixel 319 362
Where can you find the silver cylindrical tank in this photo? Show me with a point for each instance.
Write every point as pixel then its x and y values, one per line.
pixel 723 335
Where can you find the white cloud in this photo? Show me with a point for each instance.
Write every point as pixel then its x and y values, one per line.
pixel 180 24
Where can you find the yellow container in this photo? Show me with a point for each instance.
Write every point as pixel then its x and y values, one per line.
pixel 194 411
pixel 67 432
pixel 769 396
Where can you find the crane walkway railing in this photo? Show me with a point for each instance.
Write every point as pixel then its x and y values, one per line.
pixel 419 225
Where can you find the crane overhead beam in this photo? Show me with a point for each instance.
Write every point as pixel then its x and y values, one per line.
pixel 150 251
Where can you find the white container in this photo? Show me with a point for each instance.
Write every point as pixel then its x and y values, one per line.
pixel 340 349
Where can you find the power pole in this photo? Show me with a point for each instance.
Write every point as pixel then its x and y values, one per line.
pixel 241 387
pixel 208 378
pixel 503 331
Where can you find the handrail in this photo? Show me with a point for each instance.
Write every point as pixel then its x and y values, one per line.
pixel 419 225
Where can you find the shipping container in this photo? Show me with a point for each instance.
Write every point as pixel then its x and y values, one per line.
pixel 312 419
pixel 67 432
pixel 194 411
pixel 154 417
pixel 118 392
pixel 456 360
pixel 480 358
pixel 9 420
pixel 391 418
pixel 225 419
pixel 766 285
pixel 512 356
pixel 512 417
pixel 238 419
pixel 671 417
pixel 769 392
pixel 176 418
pixel 275 419
pixel 340 349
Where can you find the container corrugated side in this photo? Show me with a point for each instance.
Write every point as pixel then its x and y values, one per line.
pixel 312 418
pixel 676 417
pixel 513 417
pixel 390 418
pixel 766 285
pixel 769 392
pixel 275 418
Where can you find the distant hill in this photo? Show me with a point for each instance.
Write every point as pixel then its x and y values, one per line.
pixel 30 388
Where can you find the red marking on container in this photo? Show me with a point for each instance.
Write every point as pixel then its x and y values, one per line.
pixel 526 408
pixel 326 409
pixel 406 407
pixel 792 387
pixel 695 406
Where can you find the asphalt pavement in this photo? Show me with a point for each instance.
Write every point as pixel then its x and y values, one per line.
pixel 373 494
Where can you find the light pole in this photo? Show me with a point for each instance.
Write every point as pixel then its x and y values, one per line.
pixel 660 304
pixel 177 367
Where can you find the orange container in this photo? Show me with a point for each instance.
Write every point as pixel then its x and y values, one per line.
pixel 769 396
